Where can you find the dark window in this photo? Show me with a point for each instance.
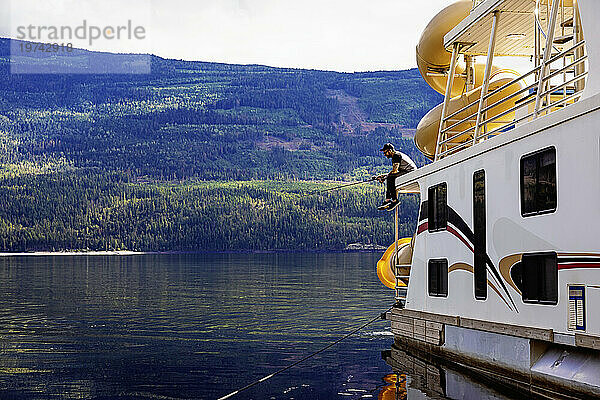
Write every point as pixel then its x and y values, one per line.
pixel 438 278
pixel 540 278
pixel 538 182
pixel 479 230
pixel 437 204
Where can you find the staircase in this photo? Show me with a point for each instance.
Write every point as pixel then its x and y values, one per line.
pixel 401 262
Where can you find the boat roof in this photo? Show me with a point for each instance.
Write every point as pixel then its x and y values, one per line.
pixel 515 35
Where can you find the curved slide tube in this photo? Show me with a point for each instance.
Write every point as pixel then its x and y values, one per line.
pixel 385 269
pixel 434 61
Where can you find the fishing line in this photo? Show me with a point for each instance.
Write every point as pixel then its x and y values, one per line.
pixel 340 187
pixel 303 359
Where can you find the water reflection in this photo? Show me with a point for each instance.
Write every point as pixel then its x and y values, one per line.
pixel 415 378
pixel 395 389
pixel 200 326
pixel 188 326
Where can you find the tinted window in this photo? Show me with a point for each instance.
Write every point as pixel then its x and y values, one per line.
pixel 538 182
pixel 479 230
pixel 438 278
pixel 540 278
pixel 437 204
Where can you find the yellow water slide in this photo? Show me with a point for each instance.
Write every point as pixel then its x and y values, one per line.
pixel 385 266
pixel 433 62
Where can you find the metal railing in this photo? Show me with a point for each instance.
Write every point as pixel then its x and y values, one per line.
pixel 476 3
pixel 401 280
pixel 557 81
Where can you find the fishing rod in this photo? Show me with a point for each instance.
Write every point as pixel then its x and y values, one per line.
pixel 371 179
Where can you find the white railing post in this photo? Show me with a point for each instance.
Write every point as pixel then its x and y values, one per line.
pixel 449 84
pixel 579 51
pixel 547 54
pixel 469 74
pixel 486 75
pixel 395 258
pixel 536 39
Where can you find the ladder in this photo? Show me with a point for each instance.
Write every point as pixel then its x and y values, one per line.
pixel 401 271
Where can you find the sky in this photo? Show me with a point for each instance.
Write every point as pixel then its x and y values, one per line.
pixel 339 35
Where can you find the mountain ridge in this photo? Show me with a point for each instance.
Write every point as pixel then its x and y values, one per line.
pixel 98 142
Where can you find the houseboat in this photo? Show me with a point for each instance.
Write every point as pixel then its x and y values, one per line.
pixel 502 276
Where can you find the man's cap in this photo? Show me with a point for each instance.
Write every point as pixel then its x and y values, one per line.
pixel 387 146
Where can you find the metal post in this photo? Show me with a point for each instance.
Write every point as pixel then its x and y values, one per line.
pixel 469 73
pixel 449 84
pixel 562 33
pixel 486 75
pixel 536 39
pixel 578 37
pixel 562 18
pixel 395 258
pixel 547 54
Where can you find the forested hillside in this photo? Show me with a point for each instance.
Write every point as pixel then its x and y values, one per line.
pixel 141 162
pixel 106 212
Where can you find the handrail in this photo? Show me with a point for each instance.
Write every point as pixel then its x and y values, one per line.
pixel 456 148
pixel 516 121
pixel 547 55
pixel 553 80
pixel 458 135
pixel 556 103
pixel 451 138
pixel 553 104
pixel 525 89
pixel 462 109
pixel 487 96
pixel 563 69
pixel 459 122
pixel 449 83
pixel 502 114
pixel 564 52
pixel 476 3
pixel 488 71
pixel 556 88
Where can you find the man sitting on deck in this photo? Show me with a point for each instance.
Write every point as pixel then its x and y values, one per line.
pixel 401 164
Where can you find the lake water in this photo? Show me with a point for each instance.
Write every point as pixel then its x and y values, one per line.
pixel 195 326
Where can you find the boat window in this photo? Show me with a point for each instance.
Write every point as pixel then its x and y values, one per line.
pixel 437 204
pixel 538 183
pixel 479 230
pixel 438 278
pixel 540 278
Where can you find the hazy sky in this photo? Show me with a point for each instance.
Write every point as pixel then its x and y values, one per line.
pixel 341 35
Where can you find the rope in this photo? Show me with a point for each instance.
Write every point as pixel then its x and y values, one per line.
pixel 303 359
pixel 336 188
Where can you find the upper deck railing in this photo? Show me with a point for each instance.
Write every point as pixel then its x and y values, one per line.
pixel 557 80
pixel 477 2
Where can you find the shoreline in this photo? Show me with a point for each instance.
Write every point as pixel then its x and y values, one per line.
pixel 79 253
pixel 143 253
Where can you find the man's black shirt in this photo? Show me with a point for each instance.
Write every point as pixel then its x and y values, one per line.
pixel 406 164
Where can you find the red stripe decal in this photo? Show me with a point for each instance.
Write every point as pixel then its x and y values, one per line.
pixel 578 265
pixel 462 239
pixel 423 227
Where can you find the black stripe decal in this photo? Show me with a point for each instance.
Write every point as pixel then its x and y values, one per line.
pixel 455 219
pixel 492 267
pixel 461 225
pixel 424 212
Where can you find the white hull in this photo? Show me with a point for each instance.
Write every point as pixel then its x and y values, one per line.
pixel 505 267
pixel 573 228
